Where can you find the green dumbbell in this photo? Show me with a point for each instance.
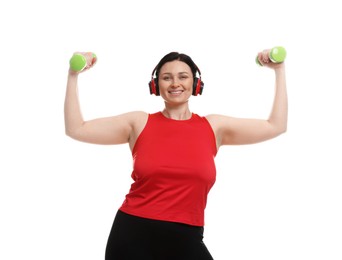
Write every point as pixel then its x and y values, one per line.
pixel 78 62
pixel 276 55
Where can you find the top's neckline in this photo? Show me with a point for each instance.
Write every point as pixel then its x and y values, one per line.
pixel 177 120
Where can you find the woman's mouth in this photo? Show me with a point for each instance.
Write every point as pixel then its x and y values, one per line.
pixel 176 92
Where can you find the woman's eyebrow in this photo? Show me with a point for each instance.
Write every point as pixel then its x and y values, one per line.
pixel 169 73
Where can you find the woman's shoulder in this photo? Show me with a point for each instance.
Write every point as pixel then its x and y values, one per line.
pixel 137 116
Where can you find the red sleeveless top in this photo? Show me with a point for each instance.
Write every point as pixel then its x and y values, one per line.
pixel 173 170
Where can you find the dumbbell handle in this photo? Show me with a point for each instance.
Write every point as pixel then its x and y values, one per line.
pixel 78 62
pixel 276 55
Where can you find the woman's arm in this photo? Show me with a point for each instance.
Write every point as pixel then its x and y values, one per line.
pixel 230 130
pixel 108 130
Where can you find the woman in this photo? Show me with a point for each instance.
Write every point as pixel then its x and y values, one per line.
pixel 162 216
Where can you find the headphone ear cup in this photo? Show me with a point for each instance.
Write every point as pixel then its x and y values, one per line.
pixel 197 87
pixel 154 89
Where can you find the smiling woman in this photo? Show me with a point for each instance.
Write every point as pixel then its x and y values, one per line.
pixel 184 72
pixel 162 216
pixel 175 81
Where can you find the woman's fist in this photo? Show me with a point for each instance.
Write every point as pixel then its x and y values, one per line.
pixel 81 61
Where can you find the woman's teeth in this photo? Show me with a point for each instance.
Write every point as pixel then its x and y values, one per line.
pixel 175 92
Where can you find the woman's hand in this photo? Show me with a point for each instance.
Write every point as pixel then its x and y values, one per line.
pixel 264 59
pixel 90 61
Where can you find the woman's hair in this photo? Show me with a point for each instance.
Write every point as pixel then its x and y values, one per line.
pixel 177 56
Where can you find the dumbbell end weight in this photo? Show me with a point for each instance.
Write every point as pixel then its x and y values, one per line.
pixel 78 62
pixel 276 55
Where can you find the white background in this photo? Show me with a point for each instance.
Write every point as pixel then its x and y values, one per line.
pixel 280 199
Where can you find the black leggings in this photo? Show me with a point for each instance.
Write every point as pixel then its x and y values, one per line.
pixel 135 238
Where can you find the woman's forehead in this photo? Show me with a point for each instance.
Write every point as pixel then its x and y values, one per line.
pixel 175 66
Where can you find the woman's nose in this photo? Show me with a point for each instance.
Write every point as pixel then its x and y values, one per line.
pixel 175 82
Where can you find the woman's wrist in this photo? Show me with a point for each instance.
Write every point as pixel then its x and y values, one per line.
pixel 280 69
pixel 72 73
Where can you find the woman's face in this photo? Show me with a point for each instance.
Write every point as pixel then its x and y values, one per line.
pixel 175 82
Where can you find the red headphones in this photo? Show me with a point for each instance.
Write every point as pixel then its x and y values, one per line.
pixel 197 87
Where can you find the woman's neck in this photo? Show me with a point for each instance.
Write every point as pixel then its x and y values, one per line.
pixel 177 112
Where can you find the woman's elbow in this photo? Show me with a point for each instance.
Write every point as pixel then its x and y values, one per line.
pixel 72 133
pixel 281 130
